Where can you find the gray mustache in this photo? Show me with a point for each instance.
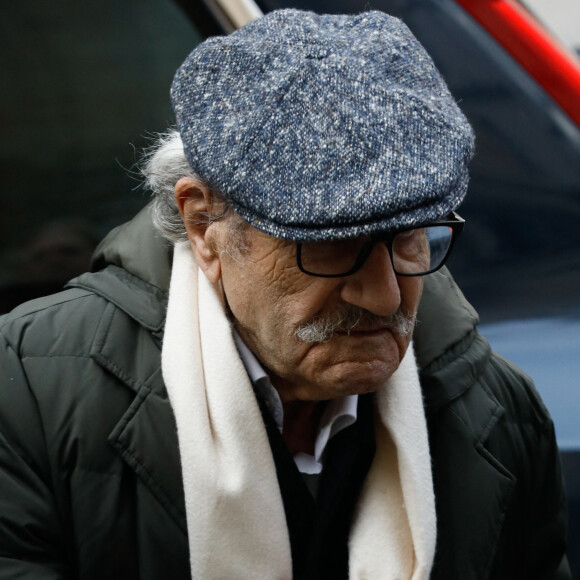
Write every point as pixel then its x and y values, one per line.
pixel 352 318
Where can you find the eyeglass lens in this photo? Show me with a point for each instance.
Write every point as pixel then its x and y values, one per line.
pixel 414 252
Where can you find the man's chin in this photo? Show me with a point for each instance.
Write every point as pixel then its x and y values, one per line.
pixel 367 378
pixel 351 378
pixel 360 362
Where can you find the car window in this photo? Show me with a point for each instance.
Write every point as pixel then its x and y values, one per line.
pixel 82 86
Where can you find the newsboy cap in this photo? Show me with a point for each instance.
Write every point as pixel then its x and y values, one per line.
pixel 321 126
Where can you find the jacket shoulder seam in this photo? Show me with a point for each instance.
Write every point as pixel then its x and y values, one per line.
pixel 20 313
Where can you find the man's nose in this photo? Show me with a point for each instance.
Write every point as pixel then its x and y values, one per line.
pixel 375 286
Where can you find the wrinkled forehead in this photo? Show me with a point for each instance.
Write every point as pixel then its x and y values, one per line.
pixel 323 127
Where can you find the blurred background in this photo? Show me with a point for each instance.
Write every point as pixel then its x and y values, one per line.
pixel 86 84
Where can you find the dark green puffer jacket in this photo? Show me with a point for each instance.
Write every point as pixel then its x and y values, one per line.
pixel 90 482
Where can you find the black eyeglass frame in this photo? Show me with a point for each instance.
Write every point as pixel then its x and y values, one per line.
pixel 453 220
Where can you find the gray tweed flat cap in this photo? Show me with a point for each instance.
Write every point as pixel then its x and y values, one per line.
pixel 318 127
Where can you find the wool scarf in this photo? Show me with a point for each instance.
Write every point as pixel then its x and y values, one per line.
pixel 235 515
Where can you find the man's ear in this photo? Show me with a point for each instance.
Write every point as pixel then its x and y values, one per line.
pixel 194 201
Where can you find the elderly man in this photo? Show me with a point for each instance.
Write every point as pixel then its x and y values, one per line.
pixel 253 400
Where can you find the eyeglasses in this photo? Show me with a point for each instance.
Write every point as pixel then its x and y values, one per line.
pixel 413 252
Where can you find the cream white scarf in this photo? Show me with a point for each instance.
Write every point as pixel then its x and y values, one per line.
pixel 235 516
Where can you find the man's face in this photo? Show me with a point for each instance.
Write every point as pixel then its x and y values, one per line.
pixel 270 298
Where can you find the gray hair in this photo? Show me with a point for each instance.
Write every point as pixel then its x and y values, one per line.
pixel 350 318
pixel 163 165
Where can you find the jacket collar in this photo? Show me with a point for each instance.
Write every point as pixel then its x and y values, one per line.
pixel 145 436
pixel 472 487
pixel 461 410
pixel 139 249
pixel 145 303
